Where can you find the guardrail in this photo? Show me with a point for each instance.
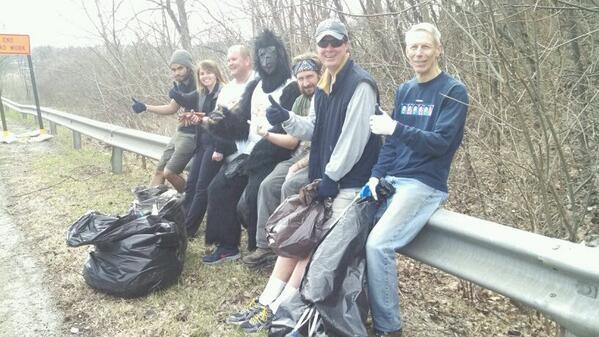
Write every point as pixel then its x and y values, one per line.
pixel 120 138
pixel 556 277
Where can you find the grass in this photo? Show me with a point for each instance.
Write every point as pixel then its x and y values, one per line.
pixel 60 185
pixel 50 185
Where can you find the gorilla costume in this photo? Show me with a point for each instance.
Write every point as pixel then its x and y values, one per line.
pixel 233 180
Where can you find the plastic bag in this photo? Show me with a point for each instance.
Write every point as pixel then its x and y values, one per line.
pixel 235 167
pixel 134 254
pixel 166 203
pixel 287 316
pixel 335 279
pixel 295 227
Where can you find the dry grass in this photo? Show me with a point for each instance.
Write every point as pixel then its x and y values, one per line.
pixel 50 185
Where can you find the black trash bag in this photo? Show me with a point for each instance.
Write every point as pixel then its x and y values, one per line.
pixel 333 289
pixel 98 228
pixel 335 278
pixel 287 316
pixel 296 226
pixel 167 203
pixel 235 167
pixel 143 192
pixel 134 255
pixel 138 264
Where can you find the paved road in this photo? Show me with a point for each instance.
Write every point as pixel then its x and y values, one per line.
pixel 26 309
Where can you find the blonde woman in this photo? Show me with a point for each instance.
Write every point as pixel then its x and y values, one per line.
pixel 210 152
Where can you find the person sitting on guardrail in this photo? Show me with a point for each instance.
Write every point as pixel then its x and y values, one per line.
pixel 181 147
pixel 420 141
pixel 290 175
pixel 342 153
pixel 209 152
pixel 239 63
pixel 256 157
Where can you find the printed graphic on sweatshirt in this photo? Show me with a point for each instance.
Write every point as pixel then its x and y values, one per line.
pixel 417 109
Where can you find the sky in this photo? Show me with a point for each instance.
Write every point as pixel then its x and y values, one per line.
pixel 59 23
pixel 62 23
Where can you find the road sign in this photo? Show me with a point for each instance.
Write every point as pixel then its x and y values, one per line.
pixel 14 44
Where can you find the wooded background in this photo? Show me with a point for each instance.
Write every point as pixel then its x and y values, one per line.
pixel 529 157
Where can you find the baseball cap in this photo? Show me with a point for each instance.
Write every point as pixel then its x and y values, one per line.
pixel 332 27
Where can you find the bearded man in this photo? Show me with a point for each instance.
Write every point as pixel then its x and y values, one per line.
pixel 290 175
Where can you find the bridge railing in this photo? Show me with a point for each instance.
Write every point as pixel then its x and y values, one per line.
pixel 559 278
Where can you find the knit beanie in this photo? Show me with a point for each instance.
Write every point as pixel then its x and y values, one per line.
pixel 182 57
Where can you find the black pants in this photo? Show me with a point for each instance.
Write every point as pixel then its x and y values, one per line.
pixel 203 170
pixel 222 223
pixel 224 194
pixel 249 202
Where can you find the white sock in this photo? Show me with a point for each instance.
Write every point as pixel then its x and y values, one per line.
pixel 273 289
pixel 288 293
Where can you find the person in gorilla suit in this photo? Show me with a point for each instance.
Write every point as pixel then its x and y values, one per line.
pixel 256 157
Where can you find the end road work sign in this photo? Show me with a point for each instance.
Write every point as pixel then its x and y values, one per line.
pixel 14 44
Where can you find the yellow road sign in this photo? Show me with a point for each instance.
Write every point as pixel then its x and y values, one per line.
pixel 14 44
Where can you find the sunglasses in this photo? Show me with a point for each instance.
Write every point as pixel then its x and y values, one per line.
pixel 330 42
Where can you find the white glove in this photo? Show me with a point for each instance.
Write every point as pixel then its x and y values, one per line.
pixel 382 124
pixel 372 183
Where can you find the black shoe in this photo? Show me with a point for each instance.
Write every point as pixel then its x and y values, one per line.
pixel 396 333
pixel 259 257
pixel 260 321
pixel 246 313
pixel 221 254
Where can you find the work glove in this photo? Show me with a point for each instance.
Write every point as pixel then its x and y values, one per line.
pixel 186 100
pixel 328 188
pixel 382 124
pixel 369 190
pixel 138 106
pixel 276 113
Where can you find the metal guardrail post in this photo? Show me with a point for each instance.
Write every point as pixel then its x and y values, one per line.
pixel 117 160
pixel 76 140
pixel 53 129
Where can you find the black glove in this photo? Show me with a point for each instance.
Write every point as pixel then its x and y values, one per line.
pixel 138 106
pixel 328 188
pixel 276 113
pixel 186 100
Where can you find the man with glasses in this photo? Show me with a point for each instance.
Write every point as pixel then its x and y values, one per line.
pixel 342 151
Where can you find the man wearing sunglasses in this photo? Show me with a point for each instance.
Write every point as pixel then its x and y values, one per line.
pixel 343 151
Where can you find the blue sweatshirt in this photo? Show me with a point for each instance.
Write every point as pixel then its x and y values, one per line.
pixel 431 118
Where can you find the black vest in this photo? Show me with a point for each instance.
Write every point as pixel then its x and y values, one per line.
pixel 330 116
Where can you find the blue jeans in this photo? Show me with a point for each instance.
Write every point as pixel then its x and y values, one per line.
pixel 400 219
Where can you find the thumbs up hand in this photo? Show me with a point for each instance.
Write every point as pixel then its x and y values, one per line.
pixel 138 106
pixel 275 113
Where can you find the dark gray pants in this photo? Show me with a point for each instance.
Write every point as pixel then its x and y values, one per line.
pixel 273 190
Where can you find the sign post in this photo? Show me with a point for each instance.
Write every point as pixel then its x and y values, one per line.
pixel 18 44
pixel 5 133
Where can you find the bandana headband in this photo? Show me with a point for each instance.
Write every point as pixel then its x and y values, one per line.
pixel 305 65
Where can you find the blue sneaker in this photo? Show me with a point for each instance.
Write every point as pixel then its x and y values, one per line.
pixel 222 254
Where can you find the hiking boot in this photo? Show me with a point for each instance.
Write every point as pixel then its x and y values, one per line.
pixel 246 313
pixel 396 333
pixel 259 256
pixel 221 254
pixel 260 321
